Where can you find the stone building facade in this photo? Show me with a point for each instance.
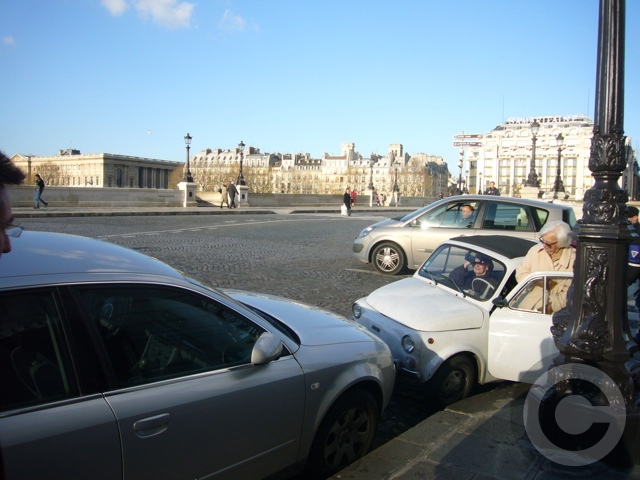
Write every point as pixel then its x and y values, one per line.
pixel 331 174
pixel 414 175
pixel 70 168
pixel 504 155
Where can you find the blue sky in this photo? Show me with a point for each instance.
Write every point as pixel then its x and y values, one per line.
pixel 134 76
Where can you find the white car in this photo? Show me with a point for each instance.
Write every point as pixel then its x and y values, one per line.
pixel 453 337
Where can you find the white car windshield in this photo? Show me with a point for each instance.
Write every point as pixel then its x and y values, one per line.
pixel 467 271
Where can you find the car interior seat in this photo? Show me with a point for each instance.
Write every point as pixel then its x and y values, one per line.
pixel 39 374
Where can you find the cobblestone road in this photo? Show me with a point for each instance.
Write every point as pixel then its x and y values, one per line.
pixel 304 257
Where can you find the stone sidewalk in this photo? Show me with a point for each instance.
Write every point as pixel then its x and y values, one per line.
pixel 481 437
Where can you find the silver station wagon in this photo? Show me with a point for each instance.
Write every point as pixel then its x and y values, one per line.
pixel 115 365
pixel 405 242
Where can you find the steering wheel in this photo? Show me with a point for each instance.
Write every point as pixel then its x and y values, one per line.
pixel 112 315
pixel 482 287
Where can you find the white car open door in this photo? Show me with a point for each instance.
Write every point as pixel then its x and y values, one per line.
pixel 521 346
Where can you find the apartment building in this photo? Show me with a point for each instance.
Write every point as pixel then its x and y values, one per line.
pixel 505 153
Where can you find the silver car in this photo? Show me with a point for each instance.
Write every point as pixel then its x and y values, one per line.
pixel 115 365
pixel 406 242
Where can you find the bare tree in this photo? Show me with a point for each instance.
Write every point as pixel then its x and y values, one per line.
pixel 50 173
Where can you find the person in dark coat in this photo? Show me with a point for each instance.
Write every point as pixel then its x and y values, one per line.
pixel 492 190
pixel 346 200
pixel 39 190
pixel 468 280
pixel 233 193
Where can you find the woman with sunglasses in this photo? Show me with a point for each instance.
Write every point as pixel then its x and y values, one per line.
pixel 553 253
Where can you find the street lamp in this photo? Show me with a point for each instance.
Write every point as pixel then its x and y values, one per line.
pixel 558 186
pixel 460 163
pixel 187 172
pixel 371 187
pixel 395 182
pixel 426 178
pixel 480 187
pixel 241 176
pixel 532 180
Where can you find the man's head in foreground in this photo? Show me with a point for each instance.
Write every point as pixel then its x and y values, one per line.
pixel 10 174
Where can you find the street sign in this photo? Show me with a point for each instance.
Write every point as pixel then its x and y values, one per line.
pixel 467 144
pixel 467 135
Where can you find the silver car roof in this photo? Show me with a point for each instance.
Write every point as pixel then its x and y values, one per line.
pixel 43 253
pixel 519 201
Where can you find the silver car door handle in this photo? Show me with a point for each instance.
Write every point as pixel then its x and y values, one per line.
pixel 148 427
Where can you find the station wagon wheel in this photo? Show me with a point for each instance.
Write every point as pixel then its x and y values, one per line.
pixel 453 381
pixel 388 258
pixel 345 434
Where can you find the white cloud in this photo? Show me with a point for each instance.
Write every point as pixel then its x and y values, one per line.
pixel 169 13
pixel 8 40
pixel 115 7
pixel 232 22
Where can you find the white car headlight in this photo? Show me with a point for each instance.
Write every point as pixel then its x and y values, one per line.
pixel 408 344
pixel 357 310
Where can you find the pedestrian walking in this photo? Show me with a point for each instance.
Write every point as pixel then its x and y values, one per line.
pixel 224 196
pixel 346 203
pixel 39 190
pixel 233 193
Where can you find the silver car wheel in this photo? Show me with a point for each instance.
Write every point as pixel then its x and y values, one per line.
pixel 346 433
pixel 388 258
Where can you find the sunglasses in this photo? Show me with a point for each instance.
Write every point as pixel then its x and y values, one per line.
pixel 548 244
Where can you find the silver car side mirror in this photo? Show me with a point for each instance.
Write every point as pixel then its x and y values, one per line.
pixel 266 349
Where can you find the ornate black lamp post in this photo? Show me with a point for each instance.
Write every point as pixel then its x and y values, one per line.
pixel 187 171
pixel 240 175
pixel 596 332
pixel 427 171
pixel 460 163
pixel 371 187
pixel 532 179
pixel 395 182
pixel 558 186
